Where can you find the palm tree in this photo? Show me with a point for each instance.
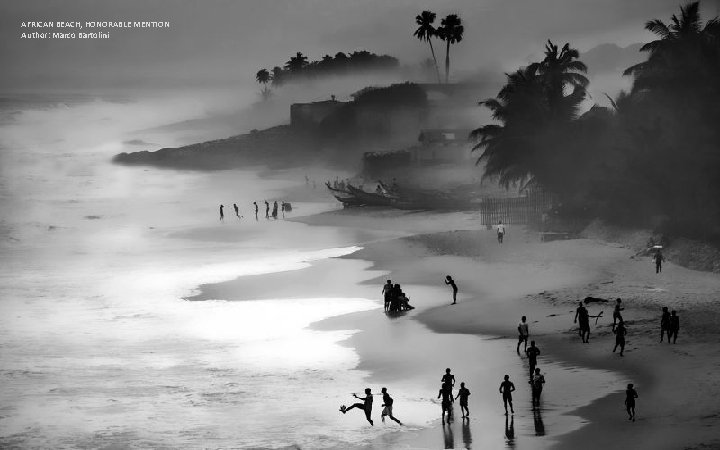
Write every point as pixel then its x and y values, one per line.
pixel 451 31
pixel 297 63
pixel 560 70
pixel 425 32
pixel 277 76
pixel 263 77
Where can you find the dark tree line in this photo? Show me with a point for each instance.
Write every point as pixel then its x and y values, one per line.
pixel 651 159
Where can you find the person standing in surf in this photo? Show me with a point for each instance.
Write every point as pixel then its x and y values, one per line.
pixel 451 282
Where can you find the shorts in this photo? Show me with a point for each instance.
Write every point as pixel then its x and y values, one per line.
pixel 507 397
pixel 522 338
pixel 387 411
pixel 463 403
pixel 585 326
pixel 446 405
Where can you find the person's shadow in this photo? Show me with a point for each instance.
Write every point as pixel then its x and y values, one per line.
pixel 466 434
pixel 448 436
pixel 539 425
pixel 510 431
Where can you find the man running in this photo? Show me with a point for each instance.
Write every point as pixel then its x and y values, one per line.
pixel 387 292
pixel 447 400
pixel 506 389
pixel 532 354
pixel 451 282
pixel 500 232
pixel 658 258
pixel 665 324
pixel 387 407
pixel 620 333
pixel 536 383
pixel 448 378
pixel 222 214
pixel 630 396
pixel 616 313
pixel 523 333
pixel 584 318
pixel 674 326
pixel 463 395
pixel 366 405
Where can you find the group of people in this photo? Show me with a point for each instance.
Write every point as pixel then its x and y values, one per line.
pixel 446 394
pixel 395 299
pixel 285 207
pixel 367 404
pixel 537 379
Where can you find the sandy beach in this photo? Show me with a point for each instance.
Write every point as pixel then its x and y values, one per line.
pixel 544 281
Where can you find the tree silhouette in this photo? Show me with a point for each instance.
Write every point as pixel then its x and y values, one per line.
pixel 451 31
pixel 297 63
pixel 425 32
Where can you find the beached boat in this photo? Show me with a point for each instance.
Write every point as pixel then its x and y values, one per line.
pixel 345 197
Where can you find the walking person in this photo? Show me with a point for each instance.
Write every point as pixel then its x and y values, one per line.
pixel 500 232
pixel 222 214
pixel 451 282
pixel 665 324
pixel 506 389
pixel 267 209
pixel 658 258
pixel 366 405
pixel 387 292
pixel 256 210
pixel 616 312
pixel 523 333
pixel 536 383
pixel 387 407
pixel 630 396
pixel 583 317
pixel 463 395
pixel 447 400
pixel 674 327
pixel 620 333
pixel 532 354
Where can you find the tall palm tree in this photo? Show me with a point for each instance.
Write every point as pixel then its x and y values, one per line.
pixel 263 77
pixel 560 70
pixel 451 31
pixel 297 63
pixel 425 32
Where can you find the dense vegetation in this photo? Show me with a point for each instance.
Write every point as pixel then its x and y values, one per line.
pixel 652 159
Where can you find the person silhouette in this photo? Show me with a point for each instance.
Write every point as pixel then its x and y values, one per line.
pixel 451 282
pixel 674 327
pixel 500 232
pixel 448 378
pixel 506 389
pixel 222 214
pixel 388 407
pixel 532 354
pixel 275 210
pixel 463 395
pixel 237 210
pixel 630 396
pixel 523 333
pixel 256 210
pixel 366 405
pixel 447 400
pixel 616 312
pixel 582 316
pixel 620 333
pixel 267 209
pixel 658 258
pixel 665 324
pixel 536 384
pixel 387 292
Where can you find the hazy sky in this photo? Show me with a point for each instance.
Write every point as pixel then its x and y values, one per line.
pixel 223 41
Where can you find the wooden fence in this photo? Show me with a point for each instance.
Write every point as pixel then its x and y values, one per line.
pixel 526 210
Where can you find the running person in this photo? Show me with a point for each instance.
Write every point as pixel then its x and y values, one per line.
pixel 387 406
pixel 532 354
pixel 451 282
pixel 630 396
pixel 536 383
pixel 447 400
pixel 463 395
pixel 506 389
pixel 366 405
pixel 523 333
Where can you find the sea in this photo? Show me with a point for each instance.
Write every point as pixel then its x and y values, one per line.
pixel 99 346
